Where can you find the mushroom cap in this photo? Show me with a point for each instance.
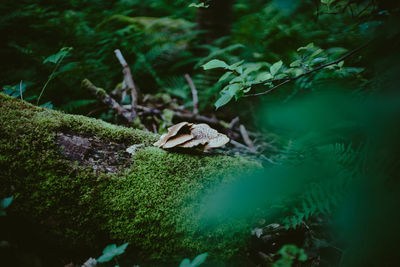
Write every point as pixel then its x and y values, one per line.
pixel 202 134
pixel 188 135
pixel 218 141
pixel 172 131
pixel 175 141
pixel 203 131
pixel 163 139
pixel 193 143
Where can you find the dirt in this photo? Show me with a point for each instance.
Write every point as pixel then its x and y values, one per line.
pixel 102 156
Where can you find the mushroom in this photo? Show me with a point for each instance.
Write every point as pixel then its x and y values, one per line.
pixel 217 141
pixel 189 135
pixel 172 131
pixel 202 135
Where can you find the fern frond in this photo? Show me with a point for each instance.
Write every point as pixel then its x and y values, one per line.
pixel 322 197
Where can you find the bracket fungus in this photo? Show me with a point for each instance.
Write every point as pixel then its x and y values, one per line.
pixel 190 135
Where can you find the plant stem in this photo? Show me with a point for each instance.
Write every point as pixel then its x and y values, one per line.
pixel 50 78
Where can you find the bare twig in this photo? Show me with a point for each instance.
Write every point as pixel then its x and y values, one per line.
pixel 129 81
pixel 240 145
pixel 311 71
pixel 194 93
pixel 123 90
pixel 233 123
pixel 246 137
pixel 154 127
pixel 107 99
pixel 198 118
pixel 250 151
pixel 20 90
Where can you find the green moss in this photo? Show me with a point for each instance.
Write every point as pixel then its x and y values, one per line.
pixel 101 92
pixel 152 204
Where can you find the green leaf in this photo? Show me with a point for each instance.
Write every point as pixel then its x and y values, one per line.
pixel 14 91
pixel 199 5
pixel 296 63
pixel 5 202
pixel 354 70
pixel 263 77
pixel 336 51
pixel 111 251
pixel 234 88
pixel 310 45
pixel 302 257
pixel 234 66
pixel 340 64
pixel 327 2
pixel 238 79
pixel 185 263
pixel 251 69
pixel 225 76
pixel 215 63
pixel 247 90
pixel 281 76
pixel 105 258
pixel 196 262
pixel 275 67
pixel 58 56
pixel 317 52
pixel 199 259
pixel 318 60
pixel 121 249
pixel 223 99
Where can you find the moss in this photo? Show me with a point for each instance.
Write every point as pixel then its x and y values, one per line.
pixel 152 204
pixel 101 92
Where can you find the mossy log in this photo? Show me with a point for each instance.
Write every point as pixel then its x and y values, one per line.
pixel 72 176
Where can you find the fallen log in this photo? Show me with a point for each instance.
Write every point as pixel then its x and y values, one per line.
pixel 72 176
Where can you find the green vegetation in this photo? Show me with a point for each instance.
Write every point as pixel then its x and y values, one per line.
pixel 5 202
pixel 111 252
pixel 307 91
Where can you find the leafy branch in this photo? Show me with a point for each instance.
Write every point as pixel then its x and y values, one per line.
pixel 242 77
pixel 288 80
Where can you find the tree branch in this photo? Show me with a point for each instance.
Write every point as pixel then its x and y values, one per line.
pixel 246 138
pixel 107 99
pixel 128 80
pixel 194 93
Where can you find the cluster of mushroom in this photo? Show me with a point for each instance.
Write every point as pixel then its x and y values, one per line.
pixel 190 135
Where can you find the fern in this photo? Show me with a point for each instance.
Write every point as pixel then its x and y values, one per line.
pixel 319 199
pixel 322 197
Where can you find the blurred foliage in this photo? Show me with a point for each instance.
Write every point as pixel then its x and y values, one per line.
pixel 4 203
pixel 289 253
pixel 196 261
pixel 111 252
pixel 338 127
